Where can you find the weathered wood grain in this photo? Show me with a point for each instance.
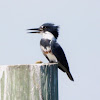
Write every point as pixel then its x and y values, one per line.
pixel 29 82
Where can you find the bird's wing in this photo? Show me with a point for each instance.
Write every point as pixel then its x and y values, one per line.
pixel 62 61
pixel 59 53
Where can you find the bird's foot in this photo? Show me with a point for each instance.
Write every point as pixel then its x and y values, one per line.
pixel 38 62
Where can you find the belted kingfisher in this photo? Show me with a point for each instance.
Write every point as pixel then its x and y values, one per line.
pixel 50 48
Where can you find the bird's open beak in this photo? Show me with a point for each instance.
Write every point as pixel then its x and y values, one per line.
pixel 35 30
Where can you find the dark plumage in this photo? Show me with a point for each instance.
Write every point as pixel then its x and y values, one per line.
pixel 45 43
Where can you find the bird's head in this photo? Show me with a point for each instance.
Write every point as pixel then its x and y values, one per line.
pixel 47 29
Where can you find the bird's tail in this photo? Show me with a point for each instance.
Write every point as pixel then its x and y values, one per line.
pixel 64 69
pixel 70 76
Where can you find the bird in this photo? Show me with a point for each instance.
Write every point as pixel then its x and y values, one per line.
pixel 50 48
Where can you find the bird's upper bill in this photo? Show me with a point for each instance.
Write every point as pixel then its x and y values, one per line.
pixel 35 30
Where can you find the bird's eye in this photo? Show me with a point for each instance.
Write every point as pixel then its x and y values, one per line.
pixel 44 27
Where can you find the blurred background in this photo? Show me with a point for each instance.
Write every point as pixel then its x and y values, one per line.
pixel 79 36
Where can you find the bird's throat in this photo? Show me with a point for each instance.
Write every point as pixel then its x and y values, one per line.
pixel 49 36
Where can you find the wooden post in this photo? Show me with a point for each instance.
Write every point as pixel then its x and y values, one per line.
pixel 29 82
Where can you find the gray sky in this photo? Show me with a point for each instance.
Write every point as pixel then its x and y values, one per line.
pixel 79 36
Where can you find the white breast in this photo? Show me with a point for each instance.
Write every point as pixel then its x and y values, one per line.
pixel 50 55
